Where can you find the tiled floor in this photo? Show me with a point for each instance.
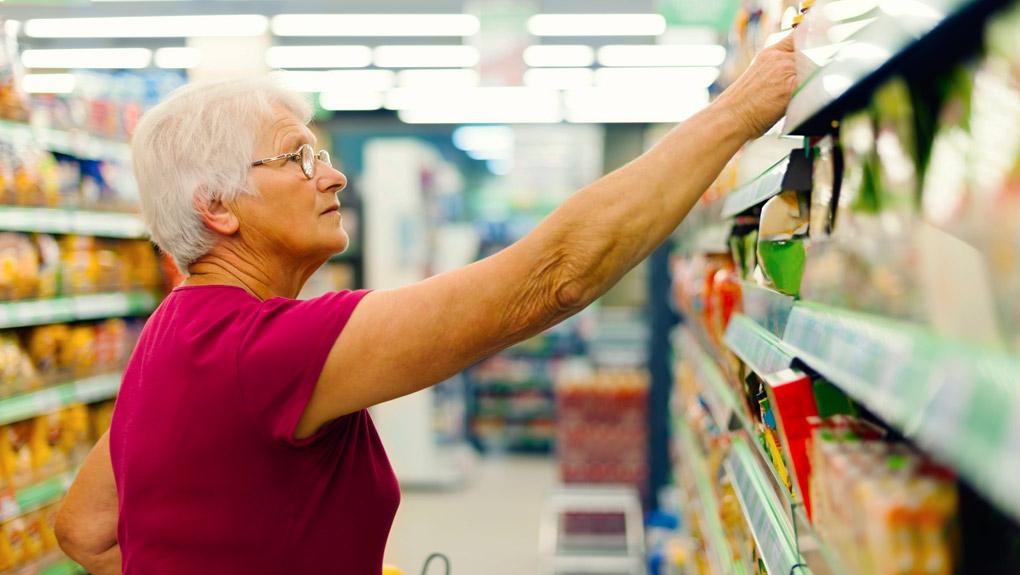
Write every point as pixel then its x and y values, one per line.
pixel 487 527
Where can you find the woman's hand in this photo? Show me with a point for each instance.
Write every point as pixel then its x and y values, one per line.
pixel 760 95
pixel 87 521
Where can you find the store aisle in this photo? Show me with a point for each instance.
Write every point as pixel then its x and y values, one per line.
pixel 489 526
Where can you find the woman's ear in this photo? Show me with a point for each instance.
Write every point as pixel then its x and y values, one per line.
pixel 217 215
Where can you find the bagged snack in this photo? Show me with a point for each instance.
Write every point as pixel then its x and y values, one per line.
pixel 79 354
pixel 16 453
pixel 48 459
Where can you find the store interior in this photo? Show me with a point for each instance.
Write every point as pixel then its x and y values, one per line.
pixel 818 373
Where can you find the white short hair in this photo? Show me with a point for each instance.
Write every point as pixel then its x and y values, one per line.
pixel 200 141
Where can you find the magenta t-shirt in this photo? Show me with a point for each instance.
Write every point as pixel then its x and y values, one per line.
pixel 209 476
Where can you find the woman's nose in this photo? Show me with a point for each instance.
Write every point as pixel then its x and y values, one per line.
pixel 332 179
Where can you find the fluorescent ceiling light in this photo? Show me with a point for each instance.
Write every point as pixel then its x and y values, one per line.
pixel 483 106
pixel 426 56
pixel 500 167
pixel 365 25
pixel 450 77
pixel 500 138
pixel 633 105
pixel 558 78
pixel 148 26
pixel 115 58
pixel 694 77
pixel 48 83
pixel 318 56
pixel 178 57
pixel 662 55
pixel 351 100
pixel 596 25
pixel 577 56
pixel 336 80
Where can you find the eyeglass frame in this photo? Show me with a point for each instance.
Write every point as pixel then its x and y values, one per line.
pixel 308 171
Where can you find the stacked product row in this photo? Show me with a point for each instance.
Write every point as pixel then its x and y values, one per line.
pixel 36 457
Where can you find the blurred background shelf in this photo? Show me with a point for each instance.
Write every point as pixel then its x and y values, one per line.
pixel 72 221
pixel 87 390
pixel 78 143
pixel 76 308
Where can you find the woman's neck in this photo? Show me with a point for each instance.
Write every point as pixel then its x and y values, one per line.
pixel 264 278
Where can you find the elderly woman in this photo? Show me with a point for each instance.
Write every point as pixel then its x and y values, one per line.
pixel 241 441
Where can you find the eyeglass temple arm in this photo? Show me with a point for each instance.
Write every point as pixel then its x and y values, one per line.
pixel 287 156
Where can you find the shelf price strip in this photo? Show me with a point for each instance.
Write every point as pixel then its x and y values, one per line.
pixel 773 536
pixel 959 402
pixel 720 553
pixel 70 221
pixel 758 348
pixel 768 308
pixel 758 190
pixel 722 403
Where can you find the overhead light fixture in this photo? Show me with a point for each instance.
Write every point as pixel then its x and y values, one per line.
pixel 365 25
pixel 558 78
pixel 633 105
pixel 694 77
pixel 353 99
pixel 642 55
pixel 318 56
pixel 182 58
pixel 484 138
pixel 503 105
pixel 552 55
pixel 596 25
pixel 336 80
pixel 84 58
pixel 48 83
pixel 426 56
pixel 148 26
pixel 500 167
pixel 446 77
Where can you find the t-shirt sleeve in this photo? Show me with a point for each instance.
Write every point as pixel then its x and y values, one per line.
pixel 282 354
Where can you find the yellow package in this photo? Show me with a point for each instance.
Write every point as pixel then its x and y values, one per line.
pixel 17 537
pixel 101 414
pixel 47 518
pixel 49 265
pixel 16 453
pixel 75 442
pixel 79 354
pixel 48 459
pixel 6 551
pixel 44 348
pixel 35 542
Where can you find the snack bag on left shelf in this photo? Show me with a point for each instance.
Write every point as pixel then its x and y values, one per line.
pixel 16 534
pixel 100 415
pixel 48 459
pixel 17 374
pixel 16 452
pixel 79 353
pixel 44 348
pixel 75 441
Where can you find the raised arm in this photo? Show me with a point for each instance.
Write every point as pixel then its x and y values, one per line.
pixel 403 340
pixel 87 520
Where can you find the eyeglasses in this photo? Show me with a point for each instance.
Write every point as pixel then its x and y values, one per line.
pixel 305 155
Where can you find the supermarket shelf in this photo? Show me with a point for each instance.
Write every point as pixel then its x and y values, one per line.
pixel 720 554
pixel 772 533
pixel 758 190
pixel 63 567
pixel 70 221
pixel 762 351
pixel 916 47
pixel 35 496
pixel 959 402
pixel 78 143
pixel 76 308
pixel 768 308
pixel 87 390
pixel 722 402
